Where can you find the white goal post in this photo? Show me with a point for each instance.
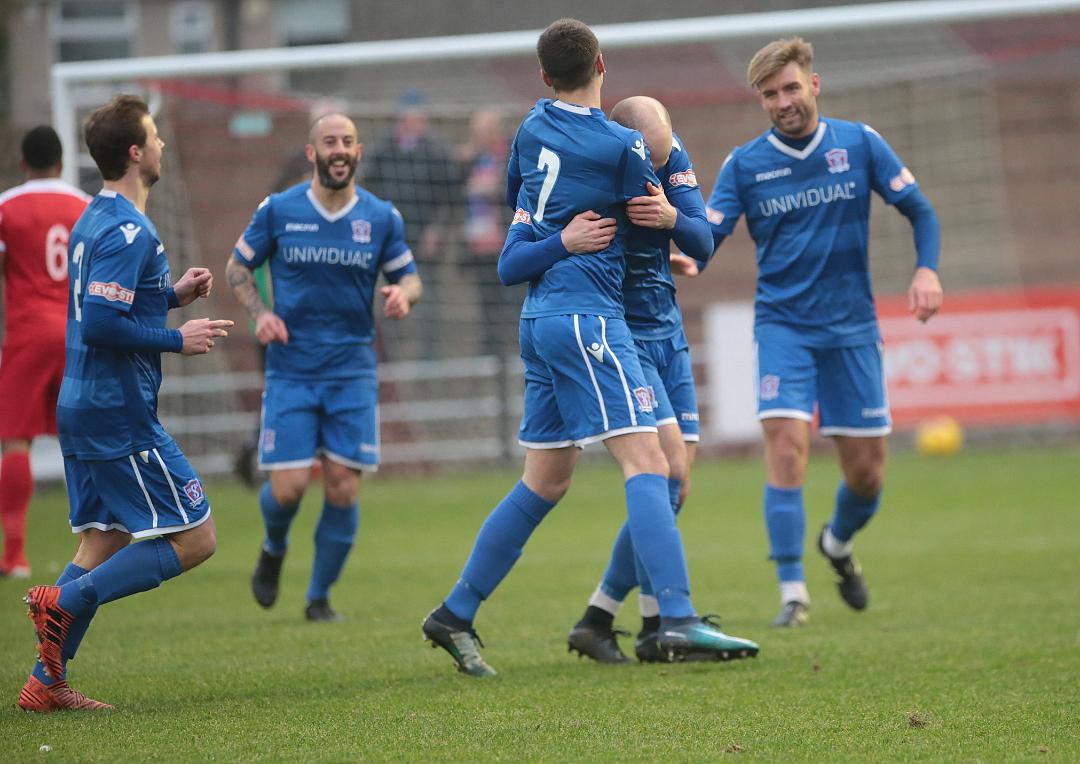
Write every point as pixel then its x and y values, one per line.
pixel 67 76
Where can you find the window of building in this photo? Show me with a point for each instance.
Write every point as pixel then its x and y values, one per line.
pixel 191 24
pixel 88 30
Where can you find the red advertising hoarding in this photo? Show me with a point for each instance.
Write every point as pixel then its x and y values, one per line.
pixel 994 357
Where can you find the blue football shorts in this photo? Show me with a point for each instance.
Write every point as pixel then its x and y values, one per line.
pixel 583 382
pixel 847 383
pixel 151 493
pixel 669 372
pixel 338 418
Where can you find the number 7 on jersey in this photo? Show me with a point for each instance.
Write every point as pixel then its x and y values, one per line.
pixel 549 161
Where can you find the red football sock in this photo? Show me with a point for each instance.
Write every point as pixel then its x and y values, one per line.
pixel 16 485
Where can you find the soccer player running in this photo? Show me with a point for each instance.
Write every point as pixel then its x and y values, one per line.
pixel 569 169
pixel 673 212
pixel 36 218
pixel 126 476
pixel 326 242
pixel 804 186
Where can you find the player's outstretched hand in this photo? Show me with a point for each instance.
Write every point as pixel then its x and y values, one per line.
pixel 925 295
pixel 270 328
pixel 395 301
pixel 652 211
pixel 199 334
pixel 588 232
pixel 197 282
pixel 682 265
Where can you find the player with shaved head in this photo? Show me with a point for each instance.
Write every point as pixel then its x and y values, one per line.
pixel 674 211
pixel 326 241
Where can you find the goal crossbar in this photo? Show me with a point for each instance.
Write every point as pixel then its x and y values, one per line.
pixel 65 76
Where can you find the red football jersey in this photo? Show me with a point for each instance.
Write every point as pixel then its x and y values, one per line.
pixel 35 222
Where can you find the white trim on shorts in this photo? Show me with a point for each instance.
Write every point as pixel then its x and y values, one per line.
pixel 582 442
pixel 856 432
pixel 100 527
pixel 339 459
pixel 592 375
pixel 171 529
pixel 142 485
pixel 691 437
pixel 542 446
pixel 296 464
pixel 666 422
pixel 172 486
pixel 785 414
pixel 618 368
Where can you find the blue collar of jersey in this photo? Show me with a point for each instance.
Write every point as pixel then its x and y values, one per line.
pixel 799 153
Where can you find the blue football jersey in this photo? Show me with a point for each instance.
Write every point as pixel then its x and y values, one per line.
pixel 807 206
pixel 324 267
pixel 568 159
pixel 648 288
pixel 107 408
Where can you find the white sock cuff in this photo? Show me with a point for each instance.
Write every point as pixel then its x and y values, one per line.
pixel 794 591
pixel 650 606
pixel 834 547
pixel 604 602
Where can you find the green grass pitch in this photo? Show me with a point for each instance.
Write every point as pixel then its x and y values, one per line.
pixel 970 650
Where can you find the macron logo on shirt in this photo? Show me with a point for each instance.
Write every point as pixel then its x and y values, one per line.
pixel 130 231
pixel 639 149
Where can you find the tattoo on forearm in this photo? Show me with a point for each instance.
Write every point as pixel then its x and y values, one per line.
pixel 243 285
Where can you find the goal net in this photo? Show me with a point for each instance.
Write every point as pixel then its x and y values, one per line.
pixel 982 110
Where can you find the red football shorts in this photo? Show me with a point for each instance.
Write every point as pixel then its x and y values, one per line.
pixel 30 377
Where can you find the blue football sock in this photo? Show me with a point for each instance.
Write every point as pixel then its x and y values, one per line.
pixel 70 572
pixel 785 523
pixel 852 512
pixel 135 568
pixel 674 486
pixel 498 546
pixel 276 519
pixel 658 544
pixel 334 537
pixel 621 574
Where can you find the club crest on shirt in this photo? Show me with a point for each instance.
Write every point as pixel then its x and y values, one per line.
pixel 770 387
pixel 837 159
pixel 361 231
pixel 646 399
pixel 194 492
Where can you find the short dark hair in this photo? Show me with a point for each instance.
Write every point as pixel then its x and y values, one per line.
pixel 567 50
pixel 111 130
pixel 41 148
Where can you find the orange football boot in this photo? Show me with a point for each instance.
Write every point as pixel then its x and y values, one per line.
pixel 52 623
pixel 35 696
